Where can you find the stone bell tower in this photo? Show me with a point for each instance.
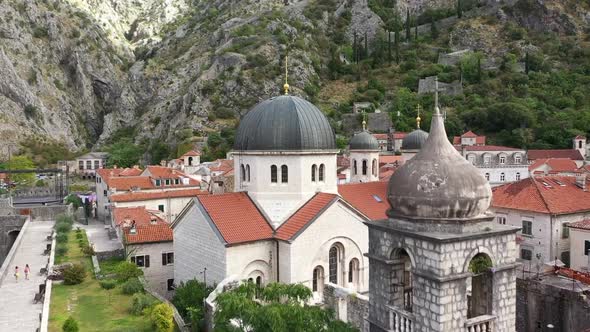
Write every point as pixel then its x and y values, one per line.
pixel 440 262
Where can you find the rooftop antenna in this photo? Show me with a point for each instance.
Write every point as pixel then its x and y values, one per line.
pixel 286 85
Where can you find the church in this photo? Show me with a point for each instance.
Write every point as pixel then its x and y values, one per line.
pixel 287 219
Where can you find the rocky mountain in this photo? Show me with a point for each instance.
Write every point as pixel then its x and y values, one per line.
pixel 79 71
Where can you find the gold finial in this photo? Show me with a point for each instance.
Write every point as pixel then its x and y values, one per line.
pixel 286 85
pixel 418 119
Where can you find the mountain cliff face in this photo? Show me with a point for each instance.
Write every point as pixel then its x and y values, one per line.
pixel 77 71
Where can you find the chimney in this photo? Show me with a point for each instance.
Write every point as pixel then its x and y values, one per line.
pixel 153 220
pixel 133 230
pixel 581 181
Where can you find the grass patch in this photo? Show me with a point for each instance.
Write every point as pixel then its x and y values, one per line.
pixel 94 308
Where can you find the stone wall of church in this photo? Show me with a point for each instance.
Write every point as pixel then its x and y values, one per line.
pixel 441 277
pixel 196 247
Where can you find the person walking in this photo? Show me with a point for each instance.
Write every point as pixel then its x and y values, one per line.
pixel 16 273
pixel 27 271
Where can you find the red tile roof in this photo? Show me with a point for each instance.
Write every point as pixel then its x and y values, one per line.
pixel 386 172
pixel 306 214
pixel 555 165
pixel 127 182
pixel 550 194
pixel 360 196
pixel 157 232
pixel 399 135
pixel 236 217
pixel 149 227
pixel 161 172
pixel 144 196
pixel 380 137
pixel 486 148
pixel 580 137
pixel 222 165
pixel 390 159
pixel 191 153
pixel 135 171
pixel 582 224
pixel 572 154
pixel 479 140
pixel 343 161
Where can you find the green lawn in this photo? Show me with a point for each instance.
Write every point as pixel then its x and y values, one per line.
pixel 93 307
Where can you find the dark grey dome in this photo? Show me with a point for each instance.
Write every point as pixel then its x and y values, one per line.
pixel 284 123
pixel 414 140
pixel 364 141
pixel 438 183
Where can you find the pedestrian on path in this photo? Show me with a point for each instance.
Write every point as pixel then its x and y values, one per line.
pixel 27 271
pixel 16 273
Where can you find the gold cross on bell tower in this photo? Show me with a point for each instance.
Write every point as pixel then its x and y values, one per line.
pixel 286 85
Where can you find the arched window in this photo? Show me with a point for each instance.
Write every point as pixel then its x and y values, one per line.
pixel 190 161
pixel 313 171
pixel 355 168
pixel 579 144
pixel 374 167
pixel 321 176
pixel 401 279
pixel 488 176
pixel 273 174
pixel 242 172
pixel 517 176
pixel 502 177
pixel 353 271
pixel 258 281
pixel 479 294
pixel 517 159
pixel 317 284
pixel 333 262
pixel 284 174
pixel 365 167
pixel 248 172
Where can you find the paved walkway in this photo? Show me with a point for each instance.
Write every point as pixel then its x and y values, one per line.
pixel 99 236
pixel 18 313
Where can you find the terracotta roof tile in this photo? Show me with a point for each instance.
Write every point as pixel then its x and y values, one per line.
pixel 479 140
pixel 399 135
pixel 144 196
pixel 148 226
pixel 380 137
pixel 191 153
pixel 486 148
pixel 161 172
pixel 222 165
pixel 362 197
pixel 549 194
pixel 307 213
pixel 555 165
pixel 582 224
pixel 390 159
pixel 236 217
pixel 572 154
pixel 127 182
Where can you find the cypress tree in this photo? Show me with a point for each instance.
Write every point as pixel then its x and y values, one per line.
pixel 408 29
pixel 459 9
pixel 354 49
pixel 416 31
pixel 366 46
pixel 389 46
pixel 526 63
pixel 396 45
pixel 433 28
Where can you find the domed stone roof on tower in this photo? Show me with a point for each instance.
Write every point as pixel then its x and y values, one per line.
pixel 284 123
pixel 364 141
pixel 414 140
pixel 438 183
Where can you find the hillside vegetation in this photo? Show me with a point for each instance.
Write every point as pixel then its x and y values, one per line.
pixel 159 77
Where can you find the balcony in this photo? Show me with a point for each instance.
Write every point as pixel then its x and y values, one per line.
pixel 400 320
pixel 484 323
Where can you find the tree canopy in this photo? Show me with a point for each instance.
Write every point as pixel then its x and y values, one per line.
pixel 275 307
pixel 21 163
pixel 124 153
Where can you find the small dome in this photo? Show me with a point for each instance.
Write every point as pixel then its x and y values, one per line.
pixel 284 123
pixel 364 141
pixel 414 140
pixel 438 183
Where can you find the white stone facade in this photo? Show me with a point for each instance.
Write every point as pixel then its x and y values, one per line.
pixel 159 272
pixel 170 207
pixel 364 166
pixel 280 199
pixel 579 239
pixel 498 166
pixel 547 240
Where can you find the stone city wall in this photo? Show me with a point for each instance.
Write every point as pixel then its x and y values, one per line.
pixel 539 304
pixel 10 227
pixel 347 305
